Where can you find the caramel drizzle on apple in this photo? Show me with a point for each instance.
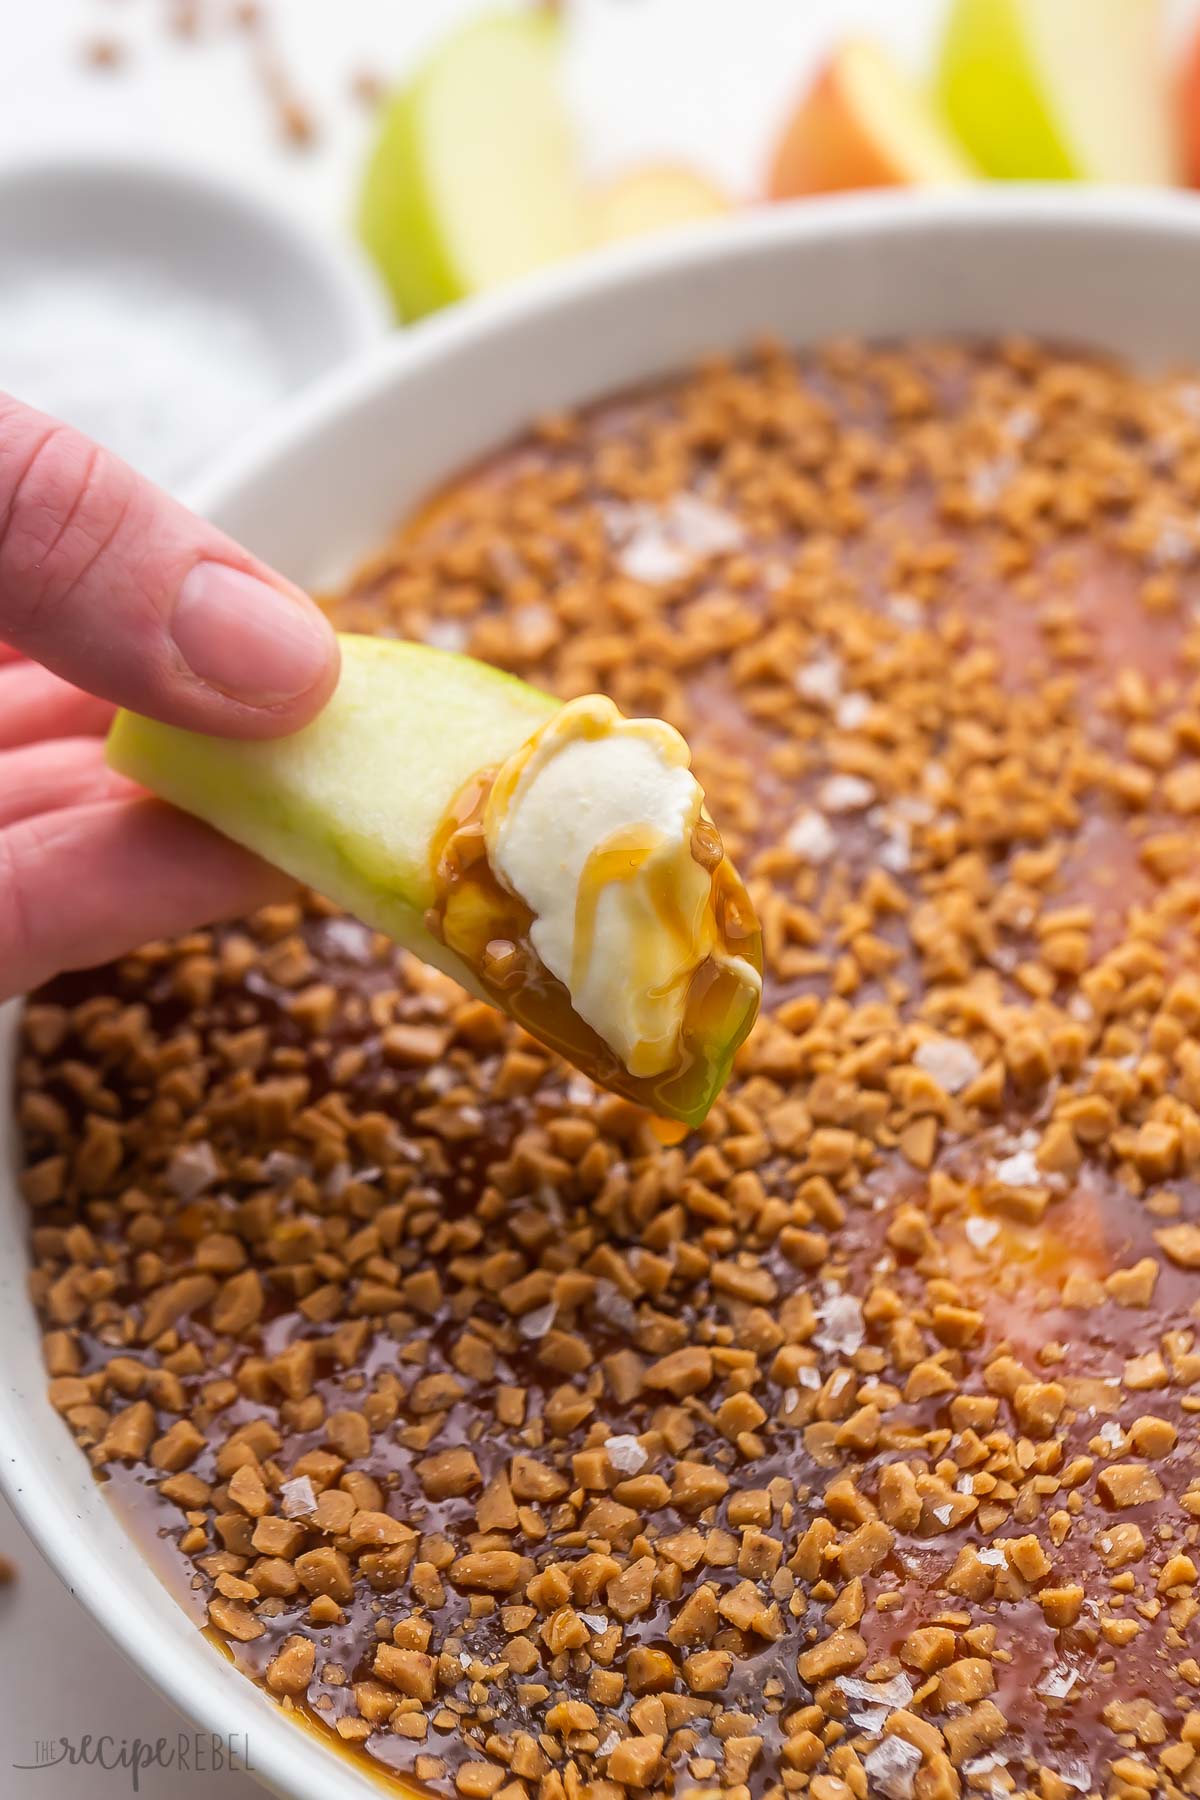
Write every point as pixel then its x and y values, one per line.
pixel 477 917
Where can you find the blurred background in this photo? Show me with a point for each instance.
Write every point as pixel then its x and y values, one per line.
pixel 364 163
pixel 426 150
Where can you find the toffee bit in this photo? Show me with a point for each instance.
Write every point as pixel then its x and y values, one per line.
pixel 104 53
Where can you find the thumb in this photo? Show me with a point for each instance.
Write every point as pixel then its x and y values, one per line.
pixel 118 588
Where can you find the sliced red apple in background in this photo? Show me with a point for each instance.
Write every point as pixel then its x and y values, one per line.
pixel 1187 99
pixel 863 124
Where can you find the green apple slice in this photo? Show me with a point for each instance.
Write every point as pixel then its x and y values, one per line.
pixel 1058 89
pixel 353 805
pixel 473 179
pixel 350 804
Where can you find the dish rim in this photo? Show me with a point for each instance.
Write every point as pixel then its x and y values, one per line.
pixel 884 213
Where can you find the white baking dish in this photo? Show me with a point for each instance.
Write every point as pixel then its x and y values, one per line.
pixel 331 479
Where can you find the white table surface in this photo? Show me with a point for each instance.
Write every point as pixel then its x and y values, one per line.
pixel 704 80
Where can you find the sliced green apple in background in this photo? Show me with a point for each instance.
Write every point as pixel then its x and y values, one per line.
pixel 1059 89
pixel 351 806
pixel 473 180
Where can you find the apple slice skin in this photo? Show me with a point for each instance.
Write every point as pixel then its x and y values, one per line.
pixel 863 124
pixel 987 91
pixel 1187 113
pixel 473 179
pixel 398 222
pixel 349 804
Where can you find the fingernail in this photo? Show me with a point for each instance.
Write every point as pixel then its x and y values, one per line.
pixel 246 638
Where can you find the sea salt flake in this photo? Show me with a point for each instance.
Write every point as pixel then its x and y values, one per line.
pixel 894 1693
pixel 988 480
pixel 904 609
pixel 703 527
pixel 657 545
pixel 1111 1433
pixel 650 557
pixel 845 793
pixel 1076 1773
pixel 943 1514
pixel 811 836
pixel 595 1622
pixel 808 1377
pixel 626 1454
pixel 191 1170
pixel 349 939
pixel 610 1304
pixel 1021 423
pixel 537 1323
pixel 953 1064
pixel 1174 543
pixel 1018 1170
pixel 891 1768
pixel 337 1180
pixel 820 680
pixel 299 1498
pixel 981 1232
pixel 992 1556
pixel 895 853
pixel 1057 1684
pixel 988 1773
pixel 530 623
pixel 281 1168
pixel 842 1325
pixel 852 711
pixel 870 1719
pixel 446 634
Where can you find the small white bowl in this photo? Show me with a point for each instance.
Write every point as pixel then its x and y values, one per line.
pixel 328 482
pixel 162 310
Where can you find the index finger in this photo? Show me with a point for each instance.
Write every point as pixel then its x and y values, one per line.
pixel 119 589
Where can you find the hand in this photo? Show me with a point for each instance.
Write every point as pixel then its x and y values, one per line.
pixel 124 598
